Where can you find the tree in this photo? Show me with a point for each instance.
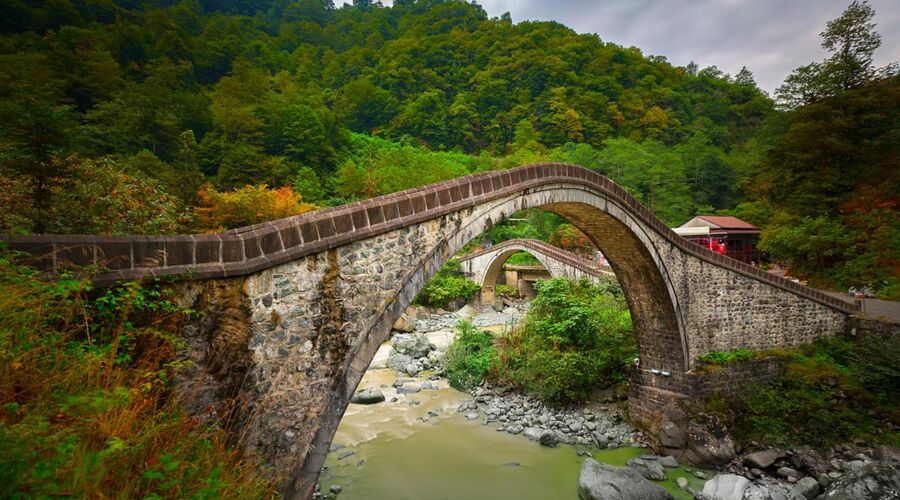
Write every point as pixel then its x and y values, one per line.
pixel 37 130
pixel 745 77
pixel 852 40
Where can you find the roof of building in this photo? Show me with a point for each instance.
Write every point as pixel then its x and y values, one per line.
pixel 720 222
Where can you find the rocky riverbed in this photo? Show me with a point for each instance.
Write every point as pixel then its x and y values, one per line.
pixel 409 435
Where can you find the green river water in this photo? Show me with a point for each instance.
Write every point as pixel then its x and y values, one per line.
pixel 401 453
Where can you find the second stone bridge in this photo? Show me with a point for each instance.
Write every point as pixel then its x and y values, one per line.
pixel 292 311
pixel 484 266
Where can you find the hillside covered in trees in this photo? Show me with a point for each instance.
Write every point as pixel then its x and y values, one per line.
pixel 163 117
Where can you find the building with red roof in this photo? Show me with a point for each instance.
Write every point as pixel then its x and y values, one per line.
pixel 724 234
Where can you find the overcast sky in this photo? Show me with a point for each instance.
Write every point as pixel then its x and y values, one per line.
pixel 771 37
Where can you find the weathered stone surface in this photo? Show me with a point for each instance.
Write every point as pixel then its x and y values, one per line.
pixel 726 487
pixel 766 491
pixel 651 469
pixel 414 345
pixel 806 487
pixel 668 462
pixel 763 459
pixel 404 324
pixel 874 480
pixel 604 482
pixel 368 396
pixel 706 450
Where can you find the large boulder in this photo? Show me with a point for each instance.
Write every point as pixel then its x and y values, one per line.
pixel 806 487
pixel 544 436
pixel 398 361
pixel 673 428
pixel 872 480
pixel 605 482
pixel 404 324
pixel 726 487
pixel 763 459
pixel 762 490
pixel 367 397
pixel 412 344
pixel 706 449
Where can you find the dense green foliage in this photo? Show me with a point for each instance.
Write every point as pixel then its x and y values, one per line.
pixel 277 93
pixel 446 286
pixel 576 336
pixel 833 390
pixel 523 259
pixel 467 360
pixel 88 406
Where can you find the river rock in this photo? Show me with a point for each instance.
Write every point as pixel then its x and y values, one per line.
pixel 367 397
pixel 806 488
pixel 682 482
pixel 668 461
pixel 604 482
pixel 765 491
pixel 471 416
pixel 706 450
pixel 726 487
pixel 786 472
pixel 651 469
pixel 874 480
pixel 763 459
pixel 404 324
pixel 414 345
pixel 409 388
pixel 397 361
pixel 411 369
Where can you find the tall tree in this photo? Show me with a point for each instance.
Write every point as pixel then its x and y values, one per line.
pixel 852 40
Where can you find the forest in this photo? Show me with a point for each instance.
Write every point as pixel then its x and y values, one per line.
pixel 177 117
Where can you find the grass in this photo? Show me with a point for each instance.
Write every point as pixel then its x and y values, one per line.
pixel 88 400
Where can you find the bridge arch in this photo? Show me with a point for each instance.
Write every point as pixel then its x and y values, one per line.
pixel 484 266
pixel 320 292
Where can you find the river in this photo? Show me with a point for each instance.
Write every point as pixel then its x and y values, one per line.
pixel 428 450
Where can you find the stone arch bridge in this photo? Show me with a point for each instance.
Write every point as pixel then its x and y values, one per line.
pixel 292 311
pixel 484 266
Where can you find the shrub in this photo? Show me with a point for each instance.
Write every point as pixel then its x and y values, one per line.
pixel 246 206
pixel 446 286
pixel 507 290
pixel 833 390
pixel 575 337
pixel 469 357
pixel 88 405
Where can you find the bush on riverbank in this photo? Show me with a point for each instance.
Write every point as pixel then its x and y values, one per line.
pixel 469 357
pixel 833 390
pixel 88 405
pixel 576 336
pixel 447 286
